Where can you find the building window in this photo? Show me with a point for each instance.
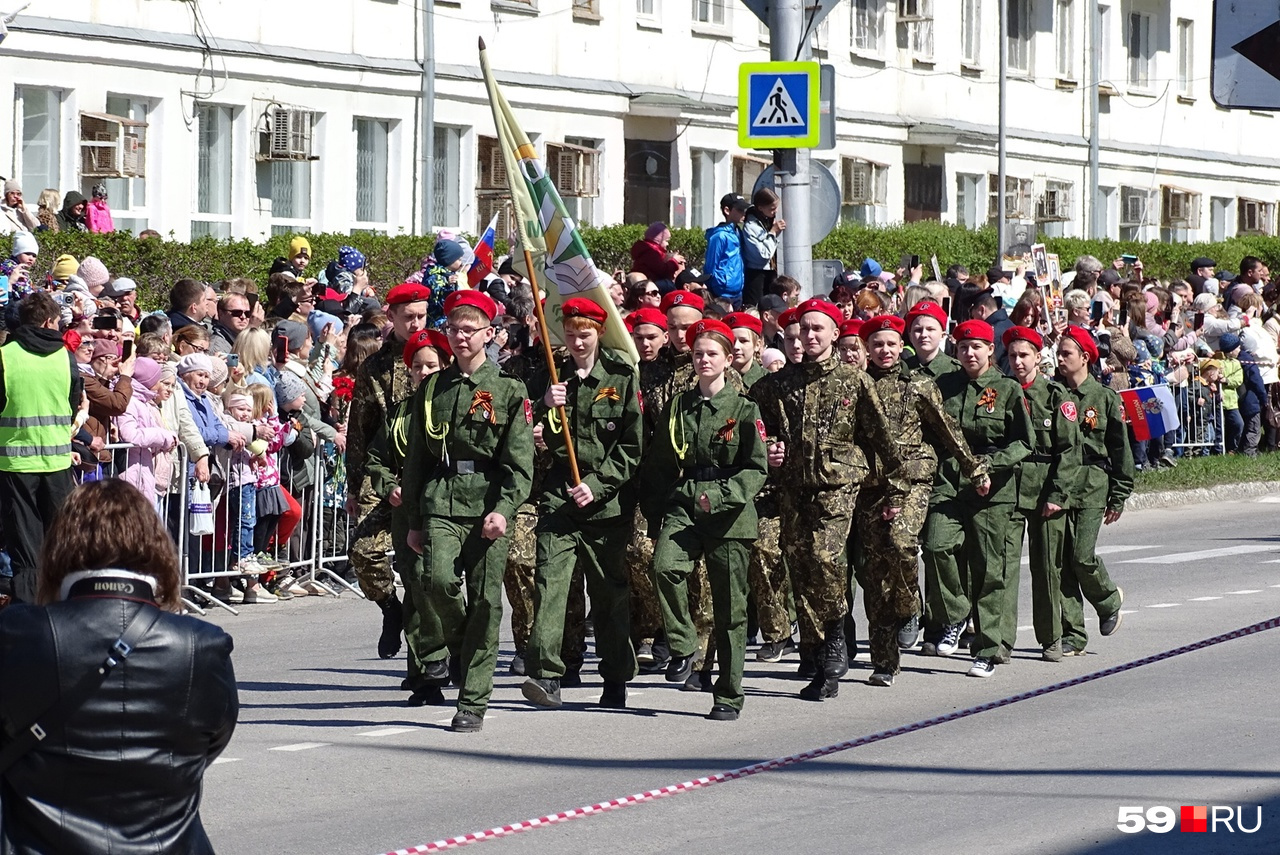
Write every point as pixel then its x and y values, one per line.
pixel 1104 41
pixel 41 166
pixel 290 195
pixel 1135 212
pixel 704 212
pixel 1017 198
pixel 915 24
pixel 372 136
pixel 1053 208
pixel 1179 214
pixel 1186 57
pixel 213 172
pixel 128 196
pixel 445 183
pixel 1065 32
pixel 1139 50
pixel 1018 33
pixel 648 9
pixel 969 190
pixel 746 170
pixel 868 27
pixel 710 12
pixel 1255 218
pixel 588 10
pixel 971 33
pixel 493 195
pixel 864 190
pixel 574 167
pixel 819 41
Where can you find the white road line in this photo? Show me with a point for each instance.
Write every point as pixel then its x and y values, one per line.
pixel 1204 599
pixel 387 731
pixel 1245 592
pixel 1107 550
pixel 226 760
pixel 300 746
pixel 1025 628
pixel 1275 586
pixel 1184 557
pixel 1164 605
pixel 1125 612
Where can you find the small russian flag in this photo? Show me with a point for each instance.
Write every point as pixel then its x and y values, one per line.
pixel 483 265
pixel 1150 411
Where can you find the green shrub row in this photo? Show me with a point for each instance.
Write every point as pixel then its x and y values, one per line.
pixel 157 264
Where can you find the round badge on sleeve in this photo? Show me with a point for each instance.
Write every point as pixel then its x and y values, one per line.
pixel 609 426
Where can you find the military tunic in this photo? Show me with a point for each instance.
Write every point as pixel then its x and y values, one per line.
pixel 603 411
pixel 941 364
pixel 713 447
pixel 923 429
pixel 1105 481
pixel 966 535
pixel 470 454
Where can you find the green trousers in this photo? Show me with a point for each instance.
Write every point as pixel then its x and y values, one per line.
pixel 966 571
pixel 599 548
pixel 1044 548
pixel 417 614
pixel 1084 576
pixel 677 550
pixel 465 625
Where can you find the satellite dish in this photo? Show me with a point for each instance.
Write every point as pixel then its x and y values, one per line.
pixel 824 198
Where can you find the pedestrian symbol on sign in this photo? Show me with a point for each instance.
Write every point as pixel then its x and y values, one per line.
pixel 778 110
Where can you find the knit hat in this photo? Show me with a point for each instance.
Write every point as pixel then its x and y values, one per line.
pixel 655 229
pixel 218 372
pixel 25 242
pixel 195 362
pixel 299 244
pixel 288 389
pixel 447 252
pixel 1228 342
pixel 146 371
pixel 295 332
pixel 238 399
pixel 1204 302
pixel 350 258
pixel 65 266
pixel 12 186
pixel 317 321
pixel 94 273
pixel 870 269
pixel 770 356
pixel 105 347
pixel 1140 351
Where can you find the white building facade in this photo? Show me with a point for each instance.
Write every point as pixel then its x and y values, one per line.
pixel 240 119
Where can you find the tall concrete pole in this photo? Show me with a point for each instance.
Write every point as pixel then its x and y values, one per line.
pixel 788 43
pixel 1001 153
pixel 1096 200
pixel 428 115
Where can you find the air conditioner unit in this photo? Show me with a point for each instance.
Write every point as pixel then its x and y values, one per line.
pixel 289 135
pixel 111 146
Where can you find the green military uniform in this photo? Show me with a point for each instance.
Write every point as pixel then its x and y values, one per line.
pixel 922 430
pixel 470 454
pixel 713 447
pixel 824 412
pixel 940 364
pixel 966 535
pixel 604 418
pixel 1104 483
pixel 518 581
pixel 1047 476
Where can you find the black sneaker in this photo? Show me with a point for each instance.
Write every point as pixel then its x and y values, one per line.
pixel 1069 649
pixel 773 651
pixel 517 667
pixel 909 633
pixel 425 696
pixel 436 673
pixel 392 626
pixel 679 668
pixel 572 678
pixel 723 712
pixel 543 693
pixel 982 668
pixel 1112 623
pixel 950 642
pixel 699 681
pixel 881 678
pixel 644 653
pixel 614 696
pixel 466 722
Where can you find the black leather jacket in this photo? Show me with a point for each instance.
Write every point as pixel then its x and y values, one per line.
pixel 123 772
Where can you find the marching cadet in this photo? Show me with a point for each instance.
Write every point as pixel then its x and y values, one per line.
pixel 1045 483
pixel 818 414
pixel 701 480
pixel 927 329
pixel 469 466
pixel 1098 496
pixel 380 385
pixel 966 535
pixel 585 523
pixel 767 576
pixel 426 353
pixel 887 555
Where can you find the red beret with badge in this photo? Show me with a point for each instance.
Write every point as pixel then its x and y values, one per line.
pixel 880 323
pixel 408 292
pixel 789 317
pixel 743 321
pixel 821 307
pixel 483 302
pixel 707 325
pixel 980 330
pixel 646 315
pixel 1084 338
pixel 851 327
pixel 927 309
pixel 1020 333
pixel 426 338
pixel 581 307
pixel 680 297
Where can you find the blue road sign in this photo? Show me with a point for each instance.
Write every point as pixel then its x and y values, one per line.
pixel 778 105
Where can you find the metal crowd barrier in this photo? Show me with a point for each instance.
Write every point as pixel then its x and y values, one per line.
pixel 1200 430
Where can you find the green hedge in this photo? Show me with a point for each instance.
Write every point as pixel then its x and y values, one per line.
pixel 157 264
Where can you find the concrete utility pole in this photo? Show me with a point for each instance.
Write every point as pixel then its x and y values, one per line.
pixel 788 42
pixel 1096 200
pixel 428 115
pixel 1001 213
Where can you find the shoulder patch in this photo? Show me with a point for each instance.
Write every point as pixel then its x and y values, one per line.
pixel 640 398
pixel 528 411
pixel 764 436
pixel 1068 409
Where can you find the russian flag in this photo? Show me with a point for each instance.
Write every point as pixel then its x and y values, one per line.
pixel 483 265
pixel 1150 411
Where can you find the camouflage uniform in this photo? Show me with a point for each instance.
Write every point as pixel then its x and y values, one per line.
pixel 825 412
pixel 1104 483
pixel 646 617
pixel 371 544
pixel 889 565
pixel 767 576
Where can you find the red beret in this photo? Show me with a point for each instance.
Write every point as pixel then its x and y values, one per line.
pixel 467 297
pixel 1027 334
pixel 823 307
pixel 789 317
pixel 980 330
pixel 707 325
pixel 851 327
pixel 927 309
pixel 681 297
pixel 408 292
pixel 581 307
pixel 71 339
pixel 426 338
pixel 741 320
pixel 880 323
pixel 646 315
pixel 1084 338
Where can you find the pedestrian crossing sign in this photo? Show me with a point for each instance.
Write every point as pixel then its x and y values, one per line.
pixel 778 105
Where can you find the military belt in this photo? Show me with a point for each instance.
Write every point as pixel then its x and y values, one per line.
pixel 465 467
pixel 1101 462
pixel 1039 458
pixel 711 473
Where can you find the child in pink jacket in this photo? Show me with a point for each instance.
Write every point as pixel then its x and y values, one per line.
pixel 142 426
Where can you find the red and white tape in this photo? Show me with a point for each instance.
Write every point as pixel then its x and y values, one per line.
pixel 780 762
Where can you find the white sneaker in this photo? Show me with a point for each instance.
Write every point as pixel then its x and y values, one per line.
pixel 249 566
pixel 950 642
pixel 235 595
pixel 982 668
pixel 259 595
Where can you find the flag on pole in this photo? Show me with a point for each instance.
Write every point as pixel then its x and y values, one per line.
pixel 482 266
pixel 544 227
pixel 1150 410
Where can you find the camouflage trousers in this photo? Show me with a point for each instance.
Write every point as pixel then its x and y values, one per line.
pixel 370 546
pixel 769 583
pixel 518 580
pixel 815 551
pixel 888 568
pixel 646 617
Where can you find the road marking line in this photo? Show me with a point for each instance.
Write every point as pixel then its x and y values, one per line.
pixel 387 731
pixel 300 746
pixel 1275 586
pixel 1025 628
pixel 1184 557
pixel 226 760
pixel 1204 599
pixel 1107 550
pixel 1245 592
pixel 1164 606
pixel 1125 612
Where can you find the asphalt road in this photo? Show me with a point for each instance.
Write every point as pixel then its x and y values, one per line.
pixel 327 759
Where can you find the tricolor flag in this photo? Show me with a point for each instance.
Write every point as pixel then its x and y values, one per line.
pixel 1150 411
pixel 482 266
pixel 543 226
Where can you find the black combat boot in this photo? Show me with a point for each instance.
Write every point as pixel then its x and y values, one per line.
pixel 836 656
pixel 808 666
pixel 614 696
pixel 821 686
pixel 851 640
pixel 392 626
